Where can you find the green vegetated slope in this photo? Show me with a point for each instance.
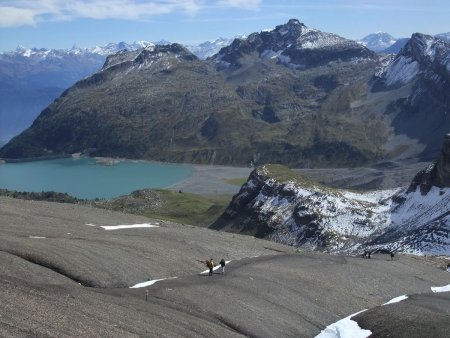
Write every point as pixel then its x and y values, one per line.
pixel 184 208
pixel 179 207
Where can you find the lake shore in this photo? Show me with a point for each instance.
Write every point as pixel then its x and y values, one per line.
pixel 212 180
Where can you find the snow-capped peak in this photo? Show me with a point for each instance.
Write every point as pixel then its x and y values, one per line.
pixel 209 48
pixel 287 44
pixel 378 41
pixel 110 48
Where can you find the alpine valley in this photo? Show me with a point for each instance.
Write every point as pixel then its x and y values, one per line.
pixel 344 117
pixel 294 95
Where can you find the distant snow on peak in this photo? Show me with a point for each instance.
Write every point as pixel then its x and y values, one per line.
pixel 43 53
pixel 378 41
pixel 443 36
pixel 209 48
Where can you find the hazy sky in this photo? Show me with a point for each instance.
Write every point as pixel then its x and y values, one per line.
pixel 62 23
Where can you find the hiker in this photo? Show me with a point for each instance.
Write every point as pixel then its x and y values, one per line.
pixel 210 264
pixel 448 267
pixel 368 254
pixel 222 264
pixel 392 256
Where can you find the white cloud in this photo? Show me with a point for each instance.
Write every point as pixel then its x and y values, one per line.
pixel 12 16
pixel 242 4
pixel 30 12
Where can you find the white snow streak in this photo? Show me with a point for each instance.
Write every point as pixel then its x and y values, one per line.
pixel 115 227
pixel 396 299
pixel 445 288
pixel 148 283
pixel 215 268
pixel 344 328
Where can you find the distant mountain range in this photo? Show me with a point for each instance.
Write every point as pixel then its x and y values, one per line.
pixel 32 78
pixel 293 95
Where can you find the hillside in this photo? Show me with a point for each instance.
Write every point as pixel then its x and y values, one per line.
pixel 47 249
pixel 31 79
pixel 165 104
pixel 294 95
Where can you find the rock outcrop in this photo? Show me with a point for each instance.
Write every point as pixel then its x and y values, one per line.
pixel 277 204
pixel 437 174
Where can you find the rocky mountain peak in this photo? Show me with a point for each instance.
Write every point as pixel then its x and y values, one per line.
pixel 293 29
pixel 149 55
pixel 423 54
pixel 425 48
pixel 175 48
pixel 295 45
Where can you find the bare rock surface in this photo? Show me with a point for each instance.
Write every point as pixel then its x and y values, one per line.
pixel 46 250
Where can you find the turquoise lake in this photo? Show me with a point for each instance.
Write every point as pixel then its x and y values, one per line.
pixel 85 178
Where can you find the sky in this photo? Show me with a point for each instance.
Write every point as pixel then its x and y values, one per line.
pixel 87 23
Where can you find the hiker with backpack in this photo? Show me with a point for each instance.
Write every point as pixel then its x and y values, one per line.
pixel 210 265
pixel 222 265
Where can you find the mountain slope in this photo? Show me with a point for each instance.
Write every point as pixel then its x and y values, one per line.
pixel 294 95
pixel 165 105
pixel 278 205
pixel 30 79
pixel 423 69
pixel 282 292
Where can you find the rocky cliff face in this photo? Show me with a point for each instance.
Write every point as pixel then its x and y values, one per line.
pixel 443 165
pixel 437 174
pixel 285 208
pixel 421 71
